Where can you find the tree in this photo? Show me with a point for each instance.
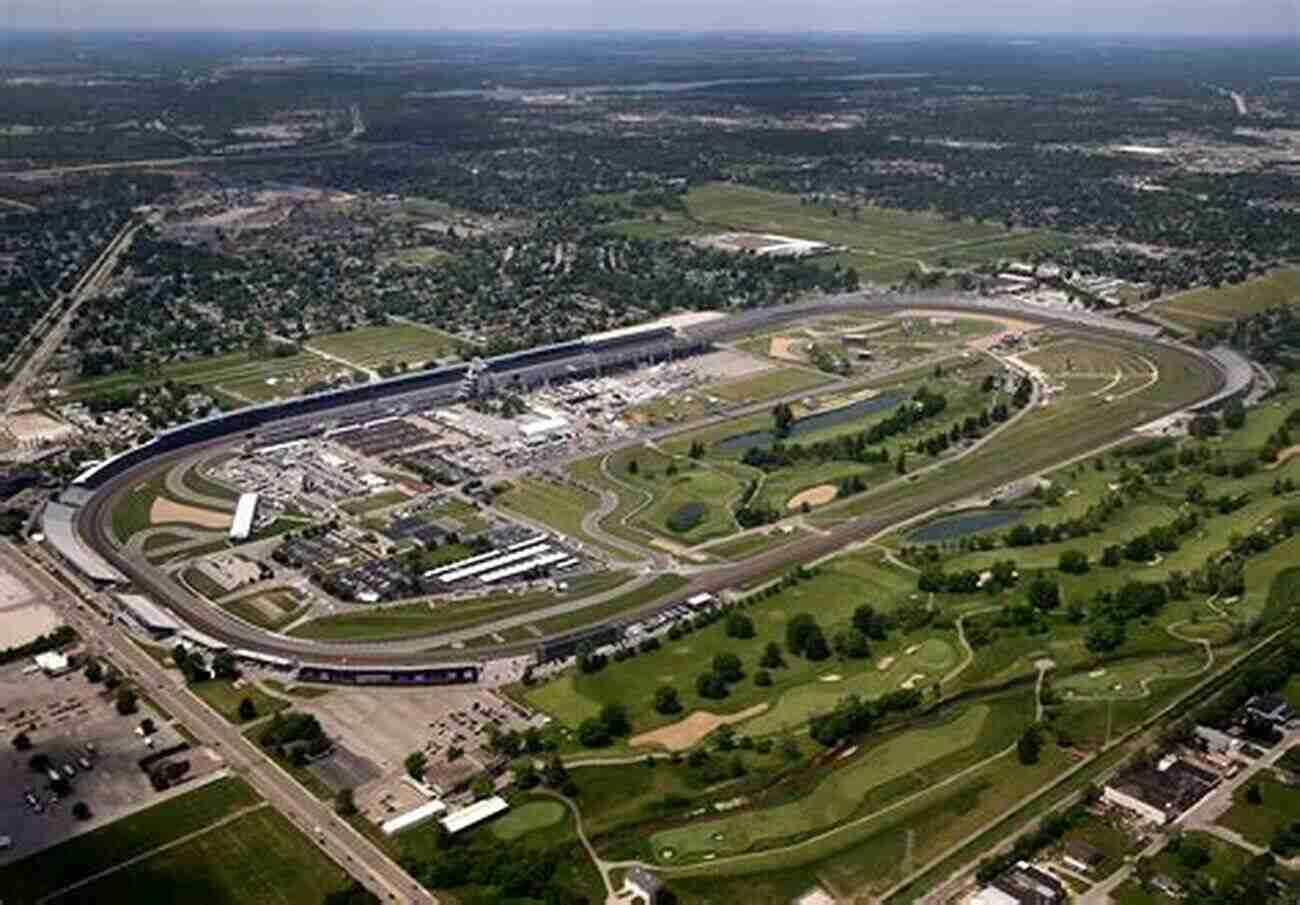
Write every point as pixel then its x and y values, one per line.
pixel 762 678
pixel 729 667
pixel 247 710
pixel 345 804
pixel 1073 562
pixel 483 787
pixel 1234 415
pixel 740 626
pixel 901 466
pixel 615 719
pixel 1253 795
pixel 799 632
pixel 852 644
pixel 782 419
pixel 1044 593
pixel 592 733
pixel 1112 556
pixel 224 667
pixel 93 672
pixel 771 658
pixel 710 685
pixel 416 764
pixel 81 811
pixel 1030 745
pixel 667 700
pixel 870 623
pixel 127 702
pixel 22 742
pixel 633 467
pixel 817 648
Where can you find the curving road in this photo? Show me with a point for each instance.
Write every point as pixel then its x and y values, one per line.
pixel 996 469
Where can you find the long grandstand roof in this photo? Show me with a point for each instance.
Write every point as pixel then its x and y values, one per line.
pixel 57 524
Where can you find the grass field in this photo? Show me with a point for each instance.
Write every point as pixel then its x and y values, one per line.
pixel 882 244
pixel 258 859
pixel 257 609
pixel 240 373
pixel 833 800
pixel 754 543
pixel 561 506
pixel 83 856
pixel 223 697
pixel 374 502
pixel 416 619
pixel 529 816
pixel 1204 308
pixel 768 384
pixel 841 586
pixel 1279 807
pixel 372 347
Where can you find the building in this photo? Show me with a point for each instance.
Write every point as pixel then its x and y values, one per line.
pixel 413 817
pixel 53 663
pixel 245 510
pixel 1216 742
pixel 474 814
pixel 143 612
pixel 1023 884
pixel 1269 708
pixel 1079 855
pixel 1161 793
pixel 640 885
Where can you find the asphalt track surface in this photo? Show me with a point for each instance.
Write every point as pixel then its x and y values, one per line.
pixel 997 469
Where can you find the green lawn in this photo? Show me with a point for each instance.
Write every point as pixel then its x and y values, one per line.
pixel 753 544
pixel 204 585
pixel 259 859
pixel 369 347
pixel 1205 308
pixel 416 619
pixel 223 697
pixel 1258 822
pixel 834 799
pixel 247 608
pixel 375 501
pixel 40 874
pixel 842 585
pixel 768 384
pixel 527 817
pixel 560 506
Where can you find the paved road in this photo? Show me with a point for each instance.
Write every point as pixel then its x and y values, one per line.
pixel 352 851
pixel 91 283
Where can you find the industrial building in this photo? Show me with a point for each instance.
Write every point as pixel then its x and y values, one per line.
pixel 1023 884
pixel 245 511
pixel 413 817
pixel 1160 794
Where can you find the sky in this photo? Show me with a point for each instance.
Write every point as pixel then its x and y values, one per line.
pixel 1264 18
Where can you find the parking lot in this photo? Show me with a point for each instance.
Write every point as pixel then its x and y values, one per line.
pixel 61 716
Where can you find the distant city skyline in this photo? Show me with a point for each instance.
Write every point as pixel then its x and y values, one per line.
pixel 1261 18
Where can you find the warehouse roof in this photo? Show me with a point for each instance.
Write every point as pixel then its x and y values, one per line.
pixel 474 814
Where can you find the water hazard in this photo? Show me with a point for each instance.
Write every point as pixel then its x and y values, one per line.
pixel 812 423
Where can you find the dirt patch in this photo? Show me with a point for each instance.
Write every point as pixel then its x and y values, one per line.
pixel 686 733
pixel 165 511
pixel 783 347
pixel 813 496
pixel 1284 456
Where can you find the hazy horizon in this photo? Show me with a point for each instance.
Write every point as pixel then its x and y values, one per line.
pixel 1279 19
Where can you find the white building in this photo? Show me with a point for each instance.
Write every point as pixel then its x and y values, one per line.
pixel 245 510
pixel 641 885
pixel 413 817
pixel 53 663
pixel 474 814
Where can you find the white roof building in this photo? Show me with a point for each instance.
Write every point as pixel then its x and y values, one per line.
pixel 53 663
pixel 245 509
pixel 413 817
pixel 474 814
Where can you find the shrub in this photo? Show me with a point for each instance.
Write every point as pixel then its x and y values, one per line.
pixel 740 626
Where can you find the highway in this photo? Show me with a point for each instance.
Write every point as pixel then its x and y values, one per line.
pixel 997 469
pixel 352 851
pixel 92 282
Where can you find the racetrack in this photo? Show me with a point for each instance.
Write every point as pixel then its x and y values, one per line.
pixel 982 471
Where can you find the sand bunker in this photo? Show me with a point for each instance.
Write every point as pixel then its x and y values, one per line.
pixel 1284 456
pixel 833 677
pixel 686 733
pixel 164 511
pixel 884 664
pixel 813 496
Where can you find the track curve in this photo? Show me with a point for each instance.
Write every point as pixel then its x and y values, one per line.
pixel 1211 380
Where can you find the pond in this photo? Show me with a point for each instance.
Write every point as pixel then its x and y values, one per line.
pixel 812 423
pixel 975 521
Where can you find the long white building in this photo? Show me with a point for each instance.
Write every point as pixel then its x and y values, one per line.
pixel 245 510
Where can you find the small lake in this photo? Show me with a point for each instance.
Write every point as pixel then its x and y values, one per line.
pixel 812 423
pixel 973 522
